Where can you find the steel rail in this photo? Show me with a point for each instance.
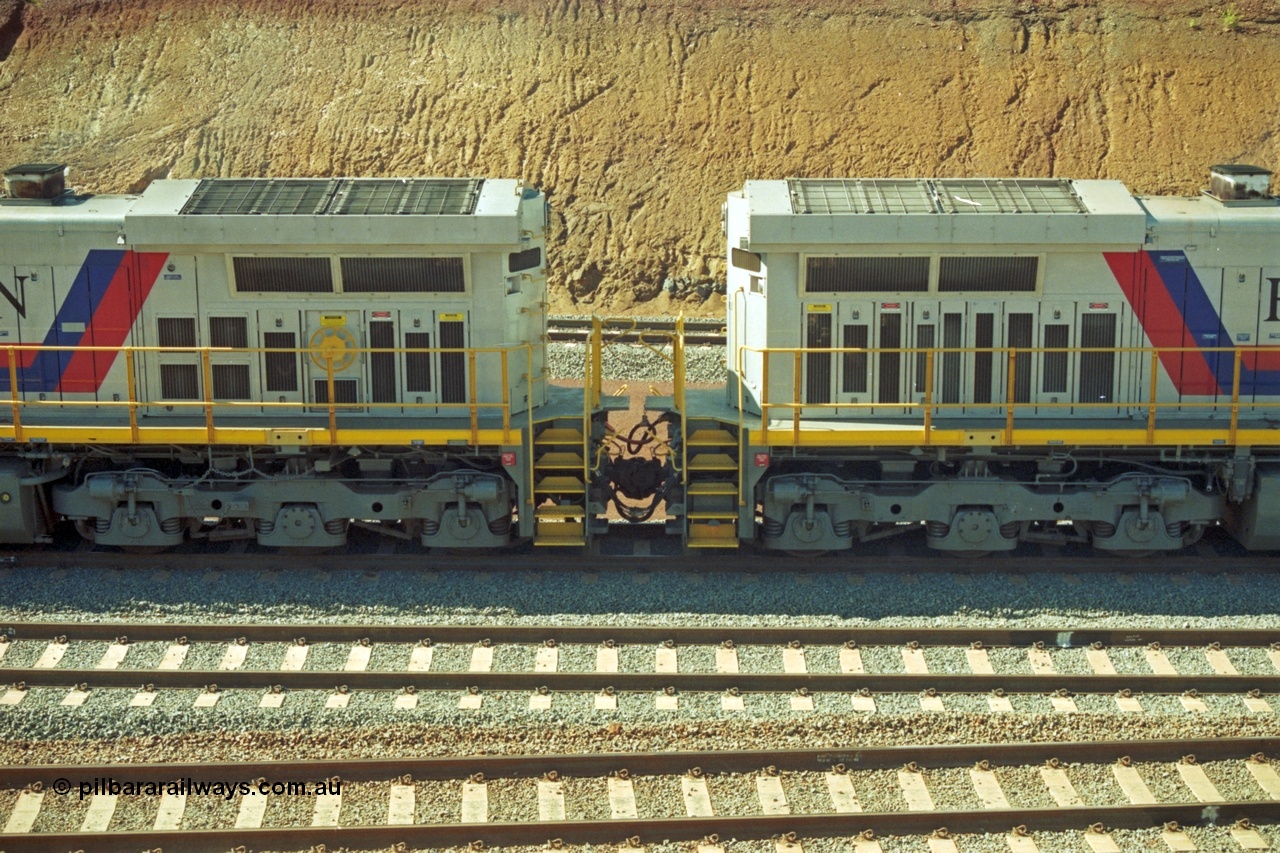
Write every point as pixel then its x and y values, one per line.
pixel 571 682
pixel 666 763
pixel 646 830
pixel 529 833
pixel 1052 638
pixel 742 561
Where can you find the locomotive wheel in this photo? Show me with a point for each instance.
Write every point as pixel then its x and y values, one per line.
pixel 970 555
pixel 803 555
pixel 1132 555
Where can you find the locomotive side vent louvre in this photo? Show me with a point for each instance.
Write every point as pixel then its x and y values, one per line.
pixel 417 365
pixel 866 275
pixel 229 332
pixel 890 362
pixel 526 260
pixel 924 340
pixel 344 391
pixel 818 364
pixel 283 275
pixel 180 382
pixel 1020 336
pixel 855 363
pixel 1055 363
pixel 983 337
pixel 382 365
pixel 403 275
pixel 453 365
pixel 1097 368
pixel 176 332
pixel 744 260
pixel 231 382
pixel 988 274
pixel 952 331
pixel 281 367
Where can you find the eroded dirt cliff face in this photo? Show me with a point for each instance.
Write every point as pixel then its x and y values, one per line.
pixel 637 117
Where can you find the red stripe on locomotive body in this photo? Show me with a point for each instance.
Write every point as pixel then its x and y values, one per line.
pixel 1162 320
pixel 111 323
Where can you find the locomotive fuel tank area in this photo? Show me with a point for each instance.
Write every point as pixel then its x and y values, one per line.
pixel 979 362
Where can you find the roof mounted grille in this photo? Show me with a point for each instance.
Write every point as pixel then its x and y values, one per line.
pixel 350 196
pixel 411 196
pixel 943 195
pixel 254 196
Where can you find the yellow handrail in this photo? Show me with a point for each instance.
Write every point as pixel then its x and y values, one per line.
pixel 928 407
pixel 210 357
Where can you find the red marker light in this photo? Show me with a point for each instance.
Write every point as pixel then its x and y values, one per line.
pixel 508 460
pixel 762 460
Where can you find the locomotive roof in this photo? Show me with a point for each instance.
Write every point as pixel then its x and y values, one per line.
pixel 328 211
pixel 809 211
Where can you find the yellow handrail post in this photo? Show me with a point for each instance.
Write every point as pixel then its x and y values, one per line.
pixel 528 443
pixel 132 386
pixel 471 397
pixel 333 402
pixel 14 397
pixel 1151 401
pixel 506 400
pixel 928 396
pixel 796 372
pixel 1009 398
pixel 595 354
pixel 207 370
pixel 764 397
pixel 1235 395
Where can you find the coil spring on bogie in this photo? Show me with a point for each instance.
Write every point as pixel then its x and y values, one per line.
pixel 335 526
pixel 102 525
pixel 842 528
pixel 430 526
pixel 1011 529
pixel 171 525
pixel 500 526
pixel 1177 529
pixel 772 528
pixel 266 526
pixel 1103 530
pixel 937 529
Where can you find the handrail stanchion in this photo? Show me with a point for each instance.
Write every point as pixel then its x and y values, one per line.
pixel 796 372
pixel 333 402
pixel 1151 401
pixel 1009 400
pixel 928 395
pixel 1235 395
pixel 506 400
pixel 764 396
pixel 132 387
pixel 471 397
pixel 14 397
pixel 207 369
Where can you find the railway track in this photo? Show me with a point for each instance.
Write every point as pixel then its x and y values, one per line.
pixel 640 552
pixel 662 662
pixel 1018 790
pixel 697 332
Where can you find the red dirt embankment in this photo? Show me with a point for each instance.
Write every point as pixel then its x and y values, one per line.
pixel 637 116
